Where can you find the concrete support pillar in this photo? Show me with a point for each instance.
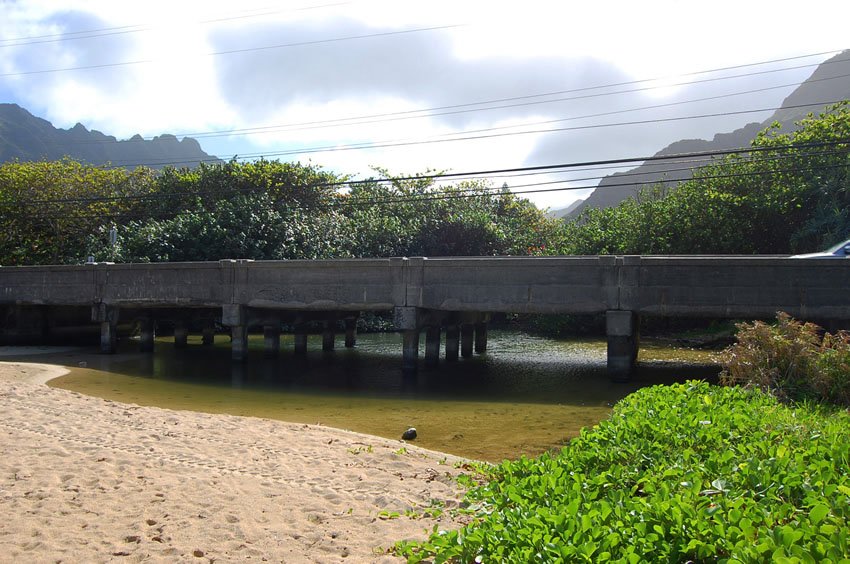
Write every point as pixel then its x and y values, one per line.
pixel 301 339
pixel 328 336
pixel 208 335
pixel 107 316
pixel 432 346
pixel 480 338
pixel 452 343
pixel 466 336
pixel 271 340
pixel 350 333
pixel 235 317
pixel 181 335
pixel 147 334
pixel 622 329
pixel 407 320
pixel 108 337
pixel 410 351
pixel 239 342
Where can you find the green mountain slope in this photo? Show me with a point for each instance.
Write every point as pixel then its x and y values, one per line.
pixel 26 137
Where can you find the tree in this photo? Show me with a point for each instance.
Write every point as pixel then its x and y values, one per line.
pixel 791 194
pixel 49 209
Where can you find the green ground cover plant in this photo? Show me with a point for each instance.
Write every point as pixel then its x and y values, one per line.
pixel 688 472
pixel 790 359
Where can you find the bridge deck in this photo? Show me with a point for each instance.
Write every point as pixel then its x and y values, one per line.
pixel 449 293
pixel 749 287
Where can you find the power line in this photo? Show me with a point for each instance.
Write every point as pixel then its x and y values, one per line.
pixel 342 204
pixel 622 161
pixel 470 106
pixel 691 165
pixel 386 144
pixel 400 143
pixel 405 115
pixel 137 28
pixel 245 50
pixel 399 116
pixel 467 137
pixel 692 157
pixel 643 108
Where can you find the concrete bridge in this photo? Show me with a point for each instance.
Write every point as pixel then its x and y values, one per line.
pixel 451 296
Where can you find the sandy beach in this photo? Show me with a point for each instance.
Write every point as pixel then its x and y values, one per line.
pixel 84 479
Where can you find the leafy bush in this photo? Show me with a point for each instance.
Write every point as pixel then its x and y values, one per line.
pixel 791 360
pixel 793 195
pixel 688 472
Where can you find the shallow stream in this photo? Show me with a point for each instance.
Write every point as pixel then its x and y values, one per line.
pixel 527 394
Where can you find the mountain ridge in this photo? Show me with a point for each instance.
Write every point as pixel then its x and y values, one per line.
pixel 829 81
pixel 26 137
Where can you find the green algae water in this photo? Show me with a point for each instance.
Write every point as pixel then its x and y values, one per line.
pixel 524 396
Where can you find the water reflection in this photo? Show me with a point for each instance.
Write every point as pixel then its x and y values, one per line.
pixel 525 395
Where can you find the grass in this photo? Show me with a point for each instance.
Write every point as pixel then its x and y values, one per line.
pixel 688 472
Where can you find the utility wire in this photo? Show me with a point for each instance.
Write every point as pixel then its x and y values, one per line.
pixel 399 116
pixel 406 115
pixel 342 204
pixel 466 137
pixel 470 106
pixel 698 157
pixel 620 162
pixel 395 143
pixel 137 28
pixel 245 50
pixel 430 141
pixel 453 136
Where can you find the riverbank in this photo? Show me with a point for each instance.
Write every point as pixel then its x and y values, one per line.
pixel 88 479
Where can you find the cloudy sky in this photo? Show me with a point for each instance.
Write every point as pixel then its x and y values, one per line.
pixel 409 87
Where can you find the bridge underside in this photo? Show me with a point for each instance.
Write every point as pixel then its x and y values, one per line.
pixel 449 298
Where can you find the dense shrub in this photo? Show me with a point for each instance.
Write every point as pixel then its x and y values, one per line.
pixel 688 472
pixel 791 196
pixel 793 360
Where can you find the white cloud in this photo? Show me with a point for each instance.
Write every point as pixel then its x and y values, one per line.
pixel 499 50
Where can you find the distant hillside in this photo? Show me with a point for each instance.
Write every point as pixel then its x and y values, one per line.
pixel 28 138
pixel 565 211
pixel 617 187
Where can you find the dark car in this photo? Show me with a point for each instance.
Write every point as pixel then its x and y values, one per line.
pixel 841 250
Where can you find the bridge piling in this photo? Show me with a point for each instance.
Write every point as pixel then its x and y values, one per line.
pixel 208 333
pixel 350 333
pixel 410 351
pixel 181 335
pixel 432 346
pixel 623 341
pixel 147 334
pixel 328 335
pixel 271 340
pixel 467 331
pixel 452 343
pixel 300 339
pixel 108 337
pixel 107 316
pixel 481 338
pixel 234 315
pixel 238 342
pixel 407 320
